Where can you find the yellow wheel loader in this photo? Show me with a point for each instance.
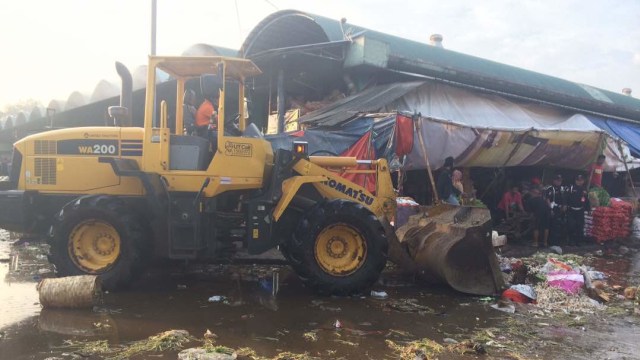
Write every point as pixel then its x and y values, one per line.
pixel 111 198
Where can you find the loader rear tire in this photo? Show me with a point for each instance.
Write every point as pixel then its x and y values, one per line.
pixel 99 235
pixel 338 248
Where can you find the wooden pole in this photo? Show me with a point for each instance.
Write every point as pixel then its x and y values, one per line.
pixel 426 157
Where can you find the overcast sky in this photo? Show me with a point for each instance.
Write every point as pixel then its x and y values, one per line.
pixel 52 48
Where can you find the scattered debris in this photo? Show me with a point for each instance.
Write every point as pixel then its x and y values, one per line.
pixel 209 335
pixel 526 291
pixel 215 353
pixel 168 340
pixel 419 349
pixel 554 299
pixel 345 342
pixel 379 294
pixel 450 341
pixel 310 336
pixel 410 305
pixel 555 249
pixel 505 306
pixel 87 348
pixel 630 292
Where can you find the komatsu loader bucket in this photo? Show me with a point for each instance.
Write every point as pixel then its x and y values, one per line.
pixel 449 245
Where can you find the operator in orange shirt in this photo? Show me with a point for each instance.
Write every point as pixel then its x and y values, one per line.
pixel 206 118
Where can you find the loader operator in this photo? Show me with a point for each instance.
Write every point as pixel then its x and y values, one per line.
pixel 206 118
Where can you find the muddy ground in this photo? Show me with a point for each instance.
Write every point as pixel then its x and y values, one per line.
pixel 247 316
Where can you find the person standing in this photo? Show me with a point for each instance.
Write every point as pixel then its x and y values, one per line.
pixel 555 198
pixel 595 171
pixel 444 185
pixel 576 205
pixel 541 215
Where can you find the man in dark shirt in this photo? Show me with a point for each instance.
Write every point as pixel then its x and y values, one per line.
pixel 576 205
pixel 541 215
pixel 555 199
pixel 444 185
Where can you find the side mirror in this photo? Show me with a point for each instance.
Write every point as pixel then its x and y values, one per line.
pixel 119 115
pixel 210 85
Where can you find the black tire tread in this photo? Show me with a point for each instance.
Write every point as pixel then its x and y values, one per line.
pixel 299 248
pixel 132 229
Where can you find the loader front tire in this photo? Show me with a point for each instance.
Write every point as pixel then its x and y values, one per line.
pixel 98 235
pixel 338 248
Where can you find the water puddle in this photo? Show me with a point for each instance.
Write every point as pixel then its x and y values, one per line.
pixel 18 294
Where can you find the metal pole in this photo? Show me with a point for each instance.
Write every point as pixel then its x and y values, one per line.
pixel 281 109
pixel 154 11
pixel 626 167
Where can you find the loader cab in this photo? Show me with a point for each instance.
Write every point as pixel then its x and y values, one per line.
pixel 185 159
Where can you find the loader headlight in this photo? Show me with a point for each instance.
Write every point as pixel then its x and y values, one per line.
pixel 300 147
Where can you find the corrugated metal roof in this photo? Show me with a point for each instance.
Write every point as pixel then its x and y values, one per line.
pixel 370 100
pixel 423 59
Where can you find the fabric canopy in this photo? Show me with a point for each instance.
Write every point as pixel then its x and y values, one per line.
pixel 476 128
pixel 626 131
pixel 487 130
pixel 477 147
pixel 481 110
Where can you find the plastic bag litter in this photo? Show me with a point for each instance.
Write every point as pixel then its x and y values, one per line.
pixel 379 294
pixel 569 281
pixel 597 275
pixel 556 249
pixel 525 290
pixel 508 308
pixel 216 298
pixel 553 265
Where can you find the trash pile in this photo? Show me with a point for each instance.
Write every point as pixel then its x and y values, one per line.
pixel 605 223
pixel 553 283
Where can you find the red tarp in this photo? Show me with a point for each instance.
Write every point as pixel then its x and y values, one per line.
pixel 362 150
pixel 403 136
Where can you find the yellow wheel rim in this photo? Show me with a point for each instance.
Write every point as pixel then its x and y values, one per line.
pixel 94 245
pixel 340 249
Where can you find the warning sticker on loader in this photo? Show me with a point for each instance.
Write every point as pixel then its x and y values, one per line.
pixel 238 149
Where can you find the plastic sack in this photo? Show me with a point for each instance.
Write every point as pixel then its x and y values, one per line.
pixel 570 281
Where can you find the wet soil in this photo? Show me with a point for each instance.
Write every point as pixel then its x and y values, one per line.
pixel 248 314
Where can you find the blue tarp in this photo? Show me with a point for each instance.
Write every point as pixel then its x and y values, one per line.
pixel 336 140
pixel 628 132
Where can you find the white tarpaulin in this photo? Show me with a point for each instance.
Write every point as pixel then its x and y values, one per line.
pixel 486 130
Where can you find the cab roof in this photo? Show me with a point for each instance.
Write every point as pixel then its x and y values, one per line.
pixel 192 66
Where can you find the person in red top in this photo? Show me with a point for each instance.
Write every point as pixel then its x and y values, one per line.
pixel 204 116
pixel 596 171
pixel 511 202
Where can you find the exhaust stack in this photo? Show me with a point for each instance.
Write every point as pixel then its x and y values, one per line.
pixel 121 115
